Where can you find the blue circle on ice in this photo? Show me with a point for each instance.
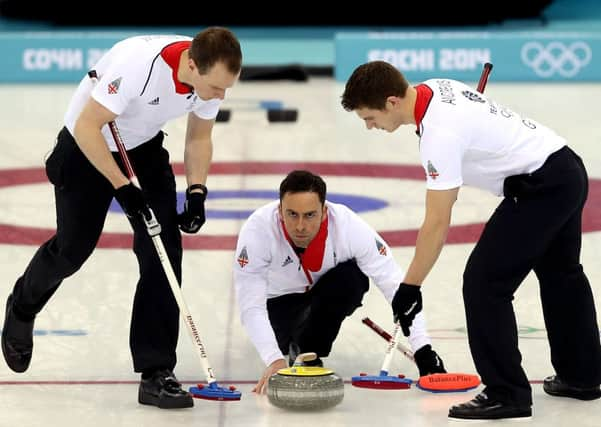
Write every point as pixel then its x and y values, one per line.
pixel 354 202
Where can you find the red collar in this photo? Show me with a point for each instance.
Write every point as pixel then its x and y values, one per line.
pixel 171 54
pixel 422 100
pixel 312 258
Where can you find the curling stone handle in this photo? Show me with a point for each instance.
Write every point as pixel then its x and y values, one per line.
pixel 304 357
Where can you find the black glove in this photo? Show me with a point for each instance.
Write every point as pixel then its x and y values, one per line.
pixel 407 302
pixel 193 216
pixel 132 201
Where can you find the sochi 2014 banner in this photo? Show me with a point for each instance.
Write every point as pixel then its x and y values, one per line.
pixel 517 56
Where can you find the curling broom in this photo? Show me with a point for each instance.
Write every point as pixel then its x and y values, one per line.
pixel 383 381
pixel 435 383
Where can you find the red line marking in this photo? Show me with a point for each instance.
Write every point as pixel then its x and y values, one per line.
pixel 132 382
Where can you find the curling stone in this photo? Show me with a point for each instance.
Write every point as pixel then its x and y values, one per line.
pixel 305 388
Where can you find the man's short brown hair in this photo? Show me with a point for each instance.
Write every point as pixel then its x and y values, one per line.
pixel 371 84
pixel 216 44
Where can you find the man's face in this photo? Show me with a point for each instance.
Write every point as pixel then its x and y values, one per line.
pixel 302 214
pixel 385 119
pixel 214 83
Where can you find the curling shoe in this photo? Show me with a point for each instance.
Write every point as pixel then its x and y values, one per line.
pixel 162 389
pixel 554 386
pixel 17 339
pixel 428 362
pixel 482 407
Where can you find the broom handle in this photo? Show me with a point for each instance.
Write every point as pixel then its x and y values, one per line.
pixel 377 329
pixel 391 344
pixel 484 77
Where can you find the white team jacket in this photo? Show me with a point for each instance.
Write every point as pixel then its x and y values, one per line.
pixel 266 266
pixel 137 84
pixel 469 139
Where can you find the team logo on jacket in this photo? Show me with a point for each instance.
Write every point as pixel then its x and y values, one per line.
pixel 287 261
pixel 472 96
pixel 381 247
pixel 243 257
pixel 432 172
pixel 113 87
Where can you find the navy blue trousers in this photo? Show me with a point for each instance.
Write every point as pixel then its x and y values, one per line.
pixel 313 319
pixel 537 227
pixel 83 196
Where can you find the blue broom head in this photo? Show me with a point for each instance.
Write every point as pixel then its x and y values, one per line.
pixel 212 391
pixel 381 382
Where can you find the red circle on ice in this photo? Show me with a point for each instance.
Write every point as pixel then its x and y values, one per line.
pixel 464 233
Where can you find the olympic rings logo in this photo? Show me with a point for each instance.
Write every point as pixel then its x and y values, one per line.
pixel 556 57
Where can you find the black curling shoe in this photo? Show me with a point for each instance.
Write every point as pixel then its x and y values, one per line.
pixel 163 390
pixel 17 339
pixel 482 407
pixel 554 386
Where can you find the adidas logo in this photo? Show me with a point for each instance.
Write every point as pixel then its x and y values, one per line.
pixel 287 261
pixel 155 101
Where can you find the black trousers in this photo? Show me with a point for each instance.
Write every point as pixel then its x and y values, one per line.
pixel 537 226
pixel 313 319
pixel 82 196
